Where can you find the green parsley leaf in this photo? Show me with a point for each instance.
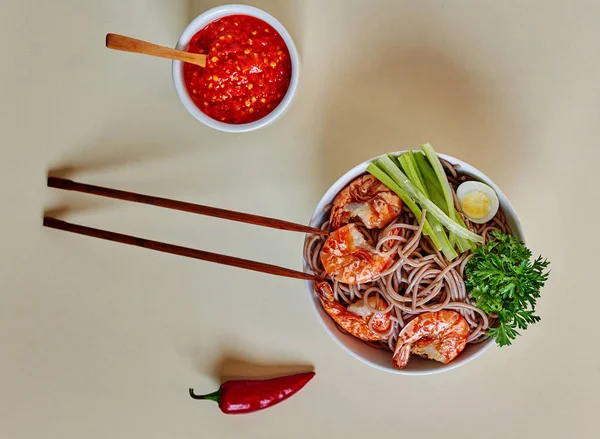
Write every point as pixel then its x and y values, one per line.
pixel 503 281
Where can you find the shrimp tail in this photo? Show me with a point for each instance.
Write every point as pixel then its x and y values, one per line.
pixel 324 292
pixel 401 355
pixel 353 324
pixel 330 305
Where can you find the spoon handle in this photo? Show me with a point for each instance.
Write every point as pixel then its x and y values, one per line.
pixel 128 44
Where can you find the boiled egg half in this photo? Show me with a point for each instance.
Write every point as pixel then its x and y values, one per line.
pixel 478 201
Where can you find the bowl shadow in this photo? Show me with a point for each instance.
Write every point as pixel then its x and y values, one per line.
pixel 400 98
pixel 290 13
pixel 397 98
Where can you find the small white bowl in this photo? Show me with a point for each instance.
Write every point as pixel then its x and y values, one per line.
pixel 199 23
pixel 382 359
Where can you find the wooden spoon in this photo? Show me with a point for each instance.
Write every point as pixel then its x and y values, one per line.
pixel 128 44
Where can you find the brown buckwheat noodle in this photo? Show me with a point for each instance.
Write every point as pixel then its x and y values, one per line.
pixel 421 279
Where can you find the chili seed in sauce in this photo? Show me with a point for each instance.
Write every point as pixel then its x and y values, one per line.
pixel 239 75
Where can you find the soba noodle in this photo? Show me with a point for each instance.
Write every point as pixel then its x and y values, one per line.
pixel 421 279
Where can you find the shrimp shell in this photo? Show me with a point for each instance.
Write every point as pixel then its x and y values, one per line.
pixel 367 199
pixel 355 320
pixel 440 335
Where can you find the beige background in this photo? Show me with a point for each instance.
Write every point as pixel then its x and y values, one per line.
pixel 102 340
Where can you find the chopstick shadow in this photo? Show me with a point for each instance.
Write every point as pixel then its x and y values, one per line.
pixel 62 211
pixel 290 13
pixel 124 161
pixel 93 159
pixel 108 156
pixel 232 366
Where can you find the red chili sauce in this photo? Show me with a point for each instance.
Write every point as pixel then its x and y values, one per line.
pixel 247 71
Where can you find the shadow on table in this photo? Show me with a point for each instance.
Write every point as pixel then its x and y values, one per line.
pixel 231 366
pixel 132 138
pixel 132 141
pixel 290 13
pixel 105 155
pixel 400 98
pixel 63 211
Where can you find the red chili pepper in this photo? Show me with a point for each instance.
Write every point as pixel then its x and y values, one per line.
pixel 245 396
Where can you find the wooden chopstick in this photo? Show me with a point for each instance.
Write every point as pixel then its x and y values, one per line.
pixel 61 183
pixel 178 250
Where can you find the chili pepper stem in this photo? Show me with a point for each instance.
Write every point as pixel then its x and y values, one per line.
pixel 212 396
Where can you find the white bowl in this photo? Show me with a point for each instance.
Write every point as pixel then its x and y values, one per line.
pixel 199 23
pixel 382 359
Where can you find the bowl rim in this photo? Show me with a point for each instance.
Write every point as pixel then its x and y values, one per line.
pixel 199 23
pixel 327 198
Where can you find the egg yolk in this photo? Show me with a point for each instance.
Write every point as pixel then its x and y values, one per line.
pixel 476 205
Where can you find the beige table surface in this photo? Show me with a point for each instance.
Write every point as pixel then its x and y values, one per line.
pixel 102 340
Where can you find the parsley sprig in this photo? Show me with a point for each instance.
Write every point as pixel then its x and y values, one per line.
pixel 503 281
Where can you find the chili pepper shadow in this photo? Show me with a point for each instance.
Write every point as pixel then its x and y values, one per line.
pixel 231 366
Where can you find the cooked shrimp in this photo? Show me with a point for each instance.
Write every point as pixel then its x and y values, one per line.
pixel 355 318
pixel 439 336
pixel 367 199
pixel 349 258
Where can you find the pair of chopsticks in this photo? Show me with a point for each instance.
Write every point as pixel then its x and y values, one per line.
pixel 69 185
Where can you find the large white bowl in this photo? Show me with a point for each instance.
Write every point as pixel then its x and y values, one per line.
pixel 382 359
pixel 199 23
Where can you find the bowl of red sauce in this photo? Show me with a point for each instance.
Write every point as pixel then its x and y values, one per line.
pixel 251 72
